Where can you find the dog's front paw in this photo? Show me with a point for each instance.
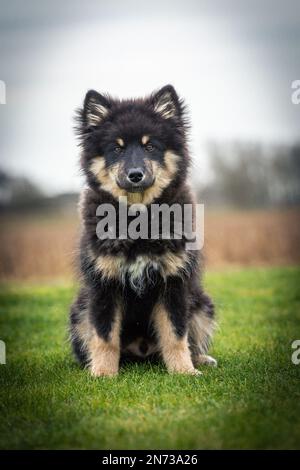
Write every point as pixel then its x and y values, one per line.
pixel 186 371
pixel 203 359
pixel 102 371
pixel 196 372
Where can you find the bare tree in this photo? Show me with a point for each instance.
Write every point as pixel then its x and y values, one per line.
pixel 252 175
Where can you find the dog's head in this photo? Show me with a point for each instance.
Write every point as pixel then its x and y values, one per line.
pixel 134 148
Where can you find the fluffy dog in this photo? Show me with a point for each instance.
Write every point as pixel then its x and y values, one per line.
pixel 139 296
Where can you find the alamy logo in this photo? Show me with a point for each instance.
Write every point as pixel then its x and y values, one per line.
pixel 296 353
pixel 2 92
pixel 296 94
pixel 156 222
pixel 2 352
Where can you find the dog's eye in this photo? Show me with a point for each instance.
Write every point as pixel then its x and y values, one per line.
pixel 149 147
pixel 118 149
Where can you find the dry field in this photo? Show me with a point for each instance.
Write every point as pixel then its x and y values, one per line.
pixel 36 248
pixel 252 238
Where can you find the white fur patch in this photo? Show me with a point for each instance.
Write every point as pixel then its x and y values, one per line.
pixel 139 272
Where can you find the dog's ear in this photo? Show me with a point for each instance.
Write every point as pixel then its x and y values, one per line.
pixel 95 108
pixel 166 102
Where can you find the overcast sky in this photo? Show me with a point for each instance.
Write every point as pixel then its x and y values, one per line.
pixel 233 62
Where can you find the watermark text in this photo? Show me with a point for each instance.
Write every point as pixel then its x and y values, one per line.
pixel 154 222
pixel 295 97
pixel 2 92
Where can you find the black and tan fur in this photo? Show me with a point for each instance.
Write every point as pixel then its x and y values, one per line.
pixel 141 297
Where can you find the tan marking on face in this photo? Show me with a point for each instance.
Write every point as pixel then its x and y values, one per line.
pixel 171 169
pixel 142 197
pixel 120 142
pixel 145 139
pixel 175 351
pixel 107 177
pixel 163 176
pixel 98 168
pixel 105 355
pixel 149 164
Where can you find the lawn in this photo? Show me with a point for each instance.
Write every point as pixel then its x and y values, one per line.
pixel 252 400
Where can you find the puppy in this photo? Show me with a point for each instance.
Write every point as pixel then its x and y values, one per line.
pixel 140 296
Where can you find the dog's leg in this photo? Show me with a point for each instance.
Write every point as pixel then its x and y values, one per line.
pixel 104 345
pixel 170 323
pixel 201 328
pixel 80 327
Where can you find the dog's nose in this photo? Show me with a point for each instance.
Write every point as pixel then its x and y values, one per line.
pixel 135 175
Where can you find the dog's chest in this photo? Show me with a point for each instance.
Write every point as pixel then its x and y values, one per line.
pixel 141 272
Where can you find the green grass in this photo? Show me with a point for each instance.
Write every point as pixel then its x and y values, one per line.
pixel 252 400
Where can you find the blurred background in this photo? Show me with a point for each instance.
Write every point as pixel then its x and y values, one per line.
pixel 234 63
